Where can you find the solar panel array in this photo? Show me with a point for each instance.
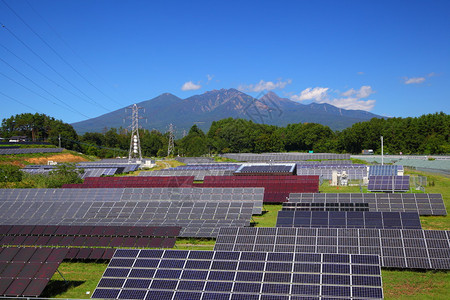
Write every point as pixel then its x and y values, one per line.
pixel 348 219
pixel 218 166
pixel 97 172
pixel 232 195
pixel 183 274
pixel 424 204
pixel 29 150
pixel 134 181
pixel 267 157
pixel 198 219
pixel 324 162
pixel 300 206
pixel 198 174
pixel 26 271
pixel 398 248
pixel 276 188
pixel 122 167
pixel 385 170
pixel 327 173
pixel 388 183
pixel 88 236
pixel 266 169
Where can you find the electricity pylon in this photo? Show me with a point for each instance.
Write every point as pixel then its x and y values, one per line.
pixel 135 143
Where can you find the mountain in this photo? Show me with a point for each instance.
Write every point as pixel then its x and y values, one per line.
pixel 214 105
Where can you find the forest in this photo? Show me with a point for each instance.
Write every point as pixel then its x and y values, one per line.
pixel 427 134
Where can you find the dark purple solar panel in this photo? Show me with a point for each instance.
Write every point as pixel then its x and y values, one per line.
pixel 72 253
pixel 85 230
pixel 54 240
pixel 29 270
pixel 12 269
pixel 78 241
pixel 97 253
pixel 41 255
pixel 104 241
pixel 128 242
pixel 38 230
pixel 66 241
pixel 62 230
pixel 18 240
pixel 91 241
pixel 50 229
pixel 97 230
pixel 35 288
pixel 84 253
pixel 26 229
pixel 57 255
pixel 30 240
pixel 15 229
pixel 142 241
pixel 5 228
pixel 73 230
pixel 116 241
pixel 47 270
pixel 108 254
pixel 4 284
pixel 24 254
pixel 17 287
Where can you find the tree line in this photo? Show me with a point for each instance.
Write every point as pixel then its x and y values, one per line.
pixel 427 134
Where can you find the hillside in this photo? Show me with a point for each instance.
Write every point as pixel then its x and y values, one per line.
pixel 215 105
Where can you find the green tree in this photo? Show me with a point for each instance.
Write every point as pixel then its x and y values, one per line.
pixel 10 173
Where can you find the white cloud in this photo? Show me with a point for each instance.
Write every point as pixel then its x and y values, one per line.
pixel 264 86
pixel 316 94
pixel 210 77
pixel 414 80
pixel 350 99
pixel 351 103
pixel 190 86
pixel 364 92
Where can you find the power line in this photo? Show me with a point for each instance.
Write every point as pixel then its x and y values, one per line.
pixel 48 65
pixel 56 53
pixel 20 102
pixel 30 90
pixel 70 107
pixel 73 51
pixel 43 75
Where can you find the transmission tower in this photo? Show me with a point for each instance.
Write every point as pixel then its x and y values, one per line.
pixel 135 143
pixel 170 148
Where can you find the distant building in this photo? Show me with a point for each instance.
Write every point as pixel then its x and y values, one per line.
pixel 18 139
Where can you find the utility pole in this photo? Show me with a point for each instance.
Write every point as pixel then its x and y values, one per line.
pixel 382 159
pixel 170 148
pixel 59 140
pixel 135 143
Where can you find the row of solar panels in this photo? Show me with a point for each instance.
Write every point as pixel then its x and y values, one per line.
pixel 29 150
pixel 243 195
pixel 183 274
pixel 424 204
pixel 267 157
pixel 198 219
pixel 388 183
pixel 398 248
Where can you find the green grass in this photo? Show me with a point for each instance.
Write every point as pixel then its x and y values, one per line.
pixel 80 278
pixel 416 285
pixel 269 216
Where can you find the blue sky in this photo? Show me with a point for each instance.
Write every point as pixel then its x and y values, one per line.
pixel 79 59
